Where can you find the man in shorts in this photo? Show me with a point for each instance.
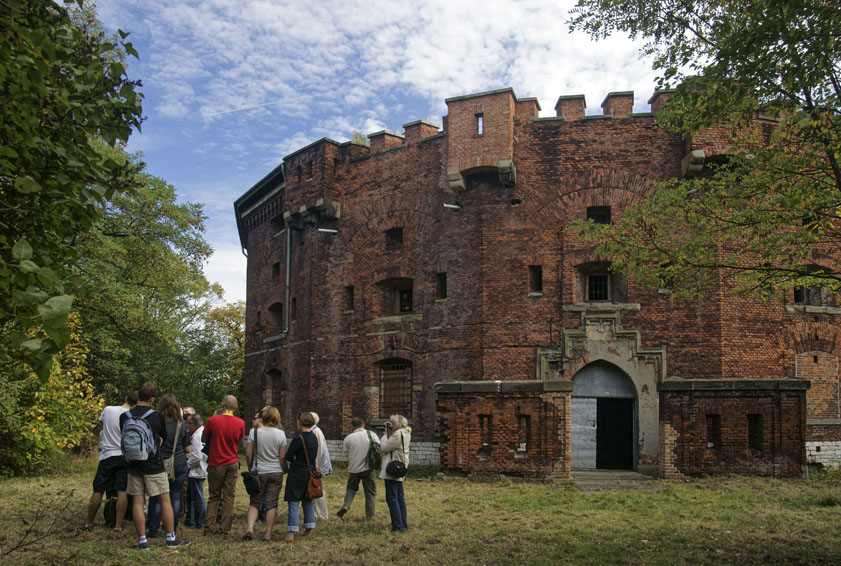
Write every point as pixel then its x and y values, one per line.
pixel 111 472
pixel 148 477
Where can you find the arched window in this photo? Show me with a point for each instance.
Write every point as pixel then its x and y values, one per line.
pixel 395 387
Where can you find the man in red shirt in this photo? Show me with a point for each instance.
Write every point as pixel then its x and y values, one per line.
pixel 224 433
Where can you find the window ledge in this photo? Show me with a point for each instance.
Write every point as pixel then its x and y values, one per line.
pixel 275 338
pixel 440 300
pixel 816 422
pixel 397 318
pixel 535 294
pixel 809 309
pixel 600 307
pixel 349 311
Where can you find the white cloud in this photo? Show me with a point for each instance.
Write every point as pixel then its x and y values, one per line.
pixel 239 84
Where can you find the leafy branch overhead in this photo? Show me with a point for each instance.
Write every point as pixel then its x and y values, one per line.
pixel 765 212
pixel 62 85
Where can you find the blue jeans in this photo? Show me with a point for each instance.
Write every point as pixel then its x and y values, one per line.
pixel 292 515
pixel 197 514
pixel 153 521
pixel 396 505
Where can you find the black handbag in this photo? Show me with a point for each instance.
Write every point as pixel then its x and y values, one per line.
pixel 396 468
pixel 249 478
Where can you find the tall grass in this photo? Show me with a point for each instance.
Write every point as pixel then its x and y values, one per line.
pixel 718 520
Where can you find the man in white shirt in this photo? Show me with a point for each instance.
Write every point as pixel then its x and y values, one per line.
pixel 111 472
pixel 356 445
pixel 197 463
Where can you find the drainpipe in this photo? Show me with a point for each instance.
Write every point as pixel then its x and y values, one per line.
pixel 288 265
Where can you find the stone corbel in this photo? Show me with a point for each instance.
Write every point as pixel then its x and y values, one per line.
pixel 507 173
pixel 692 163
pixel 456 180
pixel 293 221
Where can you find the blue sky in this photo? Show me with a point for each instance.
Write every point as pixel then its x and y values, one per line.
pixel 232 86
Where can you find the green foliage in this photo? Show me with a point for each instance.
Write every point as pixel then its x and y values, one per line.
pixel 61 86
pixel 43 421
pixel 767 75
pixel 360 139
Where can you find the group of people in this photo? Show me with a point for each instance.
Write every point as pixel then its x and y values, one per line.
pixel 182 448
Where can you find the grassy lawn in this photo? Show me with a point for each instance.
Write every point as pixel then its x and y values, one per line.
pixel 729 520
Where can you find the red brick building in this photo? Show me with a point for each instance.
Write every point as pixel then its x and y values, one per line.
pixel 430 275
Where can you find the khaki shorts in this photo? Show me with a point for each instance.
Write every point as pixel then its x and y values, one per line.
pixel 151 485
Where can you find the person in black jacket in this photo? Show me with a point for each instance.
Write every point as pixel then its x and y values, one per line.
pixel 298 475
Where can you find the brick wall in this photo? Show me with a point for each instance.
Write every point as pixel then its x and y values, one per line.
pixel 420 453
pixel 520 428
pixel 491 325
pixel 706 427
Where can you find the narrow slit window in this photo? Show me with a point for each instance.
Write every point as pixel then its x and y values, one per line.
pixel 536 279
pixel 755 432
pixel 485 433
pixel 276 272
pixel 713 431
pixel 349 298
pixel 480 124
pixel 293 309
pixel 523 430
pixel 440 286
pixel 308 170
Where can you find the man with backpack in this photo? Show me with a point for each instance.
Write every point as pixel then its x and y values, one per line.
pixel 111 472
pixel 140 440
pixel 363 464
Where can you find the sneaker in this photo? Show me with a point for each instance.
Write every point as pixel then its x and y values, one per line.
pixel 143 546
pixel 341 512
pixel 247 536
pixel 87 528
pixel 175 543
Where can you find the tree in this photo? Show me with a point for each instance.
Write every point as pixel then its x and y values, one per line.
pixel 61 87
pixel 139 282
pixel 767 216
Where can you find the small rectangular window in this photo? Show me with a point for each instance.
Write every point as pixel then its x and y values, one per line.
pixel 293 309
pixel 536 279
pixel 440 286
pixel 393 239
pixel 598 214
pixel 713 431
pixel 298 173
pixel 812 296
pixel 755 432
pixel 480 124
pixel 308 170
pixel 598 287
pixel 349 298
pixel 275 271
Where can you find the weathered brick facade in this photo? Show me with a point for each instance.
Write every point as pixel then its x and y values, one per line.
pixel 441 256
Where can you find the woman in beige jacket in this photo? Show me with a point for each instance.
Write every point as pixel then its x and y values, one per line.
pixel 395 445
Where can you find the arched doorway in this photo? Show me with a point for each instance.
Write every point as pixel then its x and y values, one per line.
pixel 604 418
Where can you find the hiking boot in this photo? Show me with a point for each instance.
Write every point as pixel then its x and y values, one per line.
pixel 176 542
pixel 341 512
pixel 143 546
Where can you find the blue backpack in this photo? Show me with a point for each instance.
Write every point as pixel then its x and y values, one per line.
pixel 136 438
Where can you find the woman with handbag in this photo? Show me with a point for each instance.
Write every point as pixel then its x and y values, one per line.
pixel 174 448
pixel 265 449
pixel 301 467
pixel 395 446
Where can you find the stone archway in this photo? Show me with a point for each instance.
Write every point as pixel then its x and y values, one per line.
pixel 604 418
